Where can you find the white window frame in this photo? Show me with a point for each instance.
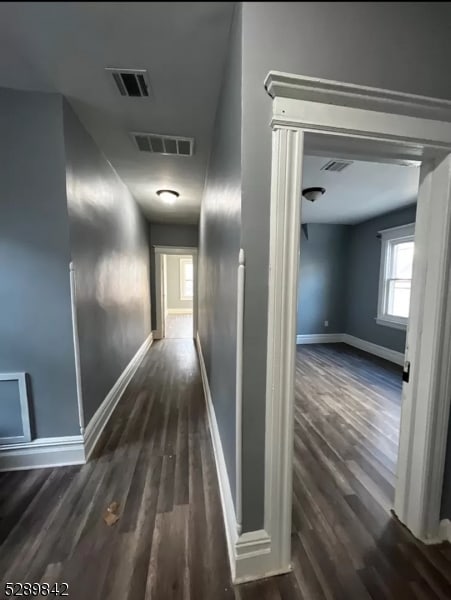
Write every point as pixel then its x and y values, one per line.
pixel 404 233
pixel 182 262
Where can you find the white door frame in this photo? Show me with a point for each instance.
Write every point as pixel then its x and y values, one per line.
pixel 161 251
pixel 302 106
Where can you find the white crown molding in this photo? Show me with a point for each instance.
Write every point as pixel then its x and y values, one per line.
pixel 301 87
pixel 102 415
pixel 43 452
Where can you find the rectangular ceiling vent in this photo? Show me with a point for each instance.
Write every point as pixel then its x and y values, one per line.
pixel 133 83
pixel 164 144
pixel 336 165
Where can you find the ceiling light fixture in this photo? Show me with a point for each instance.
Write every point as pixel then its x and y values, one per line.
pixel 313 193
pixel 168 196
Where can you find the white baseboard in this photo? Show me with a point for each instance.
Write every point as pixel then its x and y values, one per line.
pixel 100 418
pixel 332 338
pixel 250 552
pixel 43 452
pixel 179 311
pixel 319 338
pixel 445 530
pixel 391 355
pixel 228 507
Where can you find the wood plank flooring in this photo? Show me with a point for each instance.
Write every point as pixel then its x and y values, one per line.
pixel 345 543
pixel 155 459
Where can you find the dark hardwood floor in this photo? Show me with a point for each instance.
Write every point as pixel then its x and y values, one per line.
pixel 345 542
pixel 155 459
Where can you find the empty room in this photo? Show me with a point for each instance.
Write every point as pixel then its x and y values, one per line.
pixel 356 258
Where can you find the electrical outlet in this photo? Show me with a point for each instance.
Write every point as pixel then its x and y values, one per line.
pixel 326 323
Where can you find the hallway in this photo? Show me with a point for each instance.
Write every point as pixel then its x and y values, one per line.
pixel 155 460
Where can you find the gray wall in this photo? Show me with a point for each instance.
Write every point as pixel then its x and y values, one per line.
pixel 168 235
pixel 363 280
pixel 323 272
pixel 219 244
pixel 173 299
pixel 396 46
pixel 110 251
pixel 35 317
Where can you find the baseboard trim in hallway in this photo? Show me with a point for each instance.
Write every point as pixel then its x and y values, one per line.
pixel 72 449
pixel 43 452
pixel 102 415
pixel 334 338
pixel 249 553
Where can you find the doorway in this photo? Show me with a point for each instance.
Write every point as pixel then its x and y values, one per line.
pixel 354 287
pixel 178 295
pixel 310 113
pixel 175 292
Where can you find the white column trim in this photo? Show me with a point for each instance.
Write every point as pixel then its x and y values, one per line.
pixel 76 342
pixel 287 148
pixel 239 389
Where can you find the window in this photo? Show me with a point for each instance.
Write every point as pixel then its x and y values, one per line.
pixel 186 279
pixel 395 276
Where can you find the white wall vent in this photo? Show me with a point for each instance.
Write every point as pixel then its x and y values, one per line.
pixel 164 144
pixel 336 165
pixel 131 82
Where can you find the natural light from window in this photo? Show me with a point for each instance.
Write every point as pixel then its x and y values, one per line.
pixel 186 279
pixel 396 276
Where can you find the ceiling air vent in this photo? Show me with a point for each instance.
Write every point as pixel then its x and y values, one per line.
pixel 164 144
pixel 131 82
pixel 336 165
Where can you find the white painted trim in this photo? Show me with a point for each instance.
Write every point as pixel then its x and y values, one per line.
pixel 328 91
pixel 21 379
pixel 228 509
pixel 73 307
pixel 249 553
pixel 102 415
pixel 426 400
pixel 392 324
pixel 445 531
pixel 239 389
pixel 319 338
pixel 405 230
pixel 179 311
pixel 334 338
pixel 43 452
pixel 388 238
pixel 286 177
pixel 381 351
pixel 301 106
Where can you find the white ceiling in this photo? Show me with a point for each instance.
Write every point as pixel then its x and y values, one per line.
pixel 65 47
pixel 361 191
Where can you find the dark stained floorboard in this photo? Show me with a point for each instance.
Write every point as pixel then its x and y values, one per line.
pixel 155 458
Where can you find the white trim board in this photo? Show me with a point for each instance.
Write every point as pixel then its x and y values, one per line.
pixel 391 355
pixel 444 531
pixel 100 418
pixel 319 338
pixel 334 338
pixel 43 452
pixel 306 108
pixel 249 553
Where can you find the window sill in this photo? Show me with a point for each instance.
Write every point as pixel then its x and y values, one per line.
pixel 393 324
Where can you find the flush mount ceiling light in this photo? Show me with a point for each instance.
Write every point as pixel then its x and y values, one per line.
pixel 168 196
pixel 313 193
